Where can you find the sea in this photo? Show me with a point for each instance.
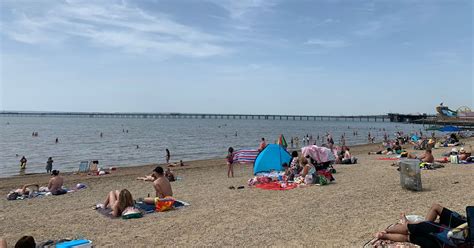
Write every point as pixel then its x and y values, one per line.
pixel 132 142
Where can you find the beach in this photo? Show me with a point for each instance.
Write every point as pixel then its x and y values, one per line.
pixel 365 198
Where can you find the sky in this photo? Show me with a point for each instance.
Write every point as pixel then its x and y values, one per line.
pixel 316 57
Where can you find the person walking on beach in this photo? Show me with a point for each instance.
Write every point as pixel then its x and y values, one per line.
pixel 230 162
pixel 168 156
pixel 262 146
pixel 23 161
pixel 49 165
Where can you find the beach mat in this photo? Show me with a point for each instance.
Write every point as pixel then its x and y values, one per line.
pixel 380 243
pixel 143 207
pixel 41 194
pixel 275 186
pixel 387 159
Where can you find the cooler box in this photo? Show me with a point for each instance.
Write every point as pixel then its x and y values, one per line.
pixel 410 174
pixel 81 243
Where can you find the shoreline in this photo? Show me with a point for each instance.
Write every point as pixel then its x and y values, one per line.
pixel 128 165
pixel 355 150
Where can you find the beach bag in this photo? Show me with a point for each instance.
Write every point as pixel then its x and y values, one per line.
pixel 164 204
pixel 134 214
pixel 308 179
pixel 323 180
pixel 454 159
pixel 12 196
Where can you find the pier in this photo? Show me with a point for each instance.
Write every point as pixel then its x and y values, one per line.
pixel 372 118
pixel 459 122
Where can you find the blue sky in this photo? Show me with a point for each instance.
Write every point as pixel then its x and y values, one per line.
pixel 246 56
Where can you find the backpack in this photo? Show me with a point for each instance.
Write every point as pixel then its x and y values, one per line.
pixel 12 196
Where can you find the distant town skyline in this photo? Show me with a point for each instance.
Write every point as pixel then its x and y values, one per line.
pixel 327 57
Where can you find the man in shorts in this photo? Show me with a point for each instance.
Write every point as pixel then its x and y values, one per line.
pixel 161 185
pixel 55 184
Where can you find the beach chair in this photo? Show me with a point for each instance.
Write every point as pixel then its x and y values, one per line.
pixel 84 167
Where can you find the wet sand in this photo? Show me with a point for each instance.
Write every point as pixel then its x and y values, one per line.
pixel 365 198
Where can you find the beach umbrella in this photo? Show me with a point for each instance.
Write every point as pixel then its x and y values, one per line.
pixel 450 129
pixel 282 141
pixel 319 153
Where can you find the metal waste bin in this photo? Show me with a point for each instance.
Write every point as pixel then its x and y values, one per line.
pixel 410 174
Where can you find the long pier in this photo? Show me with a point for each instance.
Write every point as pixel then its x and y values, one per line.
pixel 373 118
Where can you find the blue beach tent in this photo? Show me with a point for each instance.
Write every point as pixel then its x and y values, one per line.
pixel 450 129
pixel 271 159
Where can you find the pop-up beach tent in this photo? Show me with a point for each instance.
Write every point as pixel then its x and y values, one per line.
pixel 271 159
pixel 449 129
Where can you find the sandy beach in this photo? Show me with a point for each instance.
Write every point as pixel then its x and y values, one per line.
pixel 365 198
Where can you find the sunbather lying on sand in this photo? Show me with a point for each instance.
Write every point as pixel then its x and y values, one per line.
pixel 421 233
pixel 389 150
pixel 27 189
pixel 120 202
pixel 464 155
pixel 149 178
pixel 427 157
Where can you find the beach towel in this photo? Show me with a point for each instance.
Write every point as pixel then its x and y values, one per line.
pixel 380 243
pixel 143 207
pixel 276 186
pixel 245 156
pixel 63 242
pixel 15 196
pixel 388 158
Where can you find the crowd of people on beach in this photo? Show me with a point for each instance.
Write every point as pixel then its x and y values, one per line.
pixel 301 168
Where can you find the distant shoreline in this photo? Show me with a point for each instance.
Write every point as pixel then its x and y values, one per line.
pixel 355 149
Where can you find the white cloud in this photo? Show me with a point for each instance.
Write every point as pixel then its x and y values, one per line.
pixel 111 24
pixel 245 14
pixel 327 43
pixel 238 9
pixel 369 28
pixel 445 57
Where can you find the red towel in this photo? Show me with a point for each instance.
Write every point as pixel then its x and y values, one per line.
pixel 275 186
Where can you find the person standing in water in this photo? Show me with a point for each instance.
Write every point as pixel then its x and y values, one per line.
pixel 57 140
pixel 49 165
pixel 168 156
pixel 23 161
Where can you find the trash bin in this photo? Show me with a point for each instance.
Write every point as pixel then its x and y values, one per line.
pixel 410 174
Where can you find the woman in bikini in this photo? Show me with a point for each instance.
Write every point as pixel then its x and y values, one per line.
pixel 120 202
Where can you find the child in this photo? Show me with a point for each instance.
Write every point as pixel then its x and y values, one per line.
pixel 230 162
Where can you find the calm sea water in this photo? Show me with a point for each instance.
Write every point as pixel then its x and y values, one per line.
pixel 187 139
